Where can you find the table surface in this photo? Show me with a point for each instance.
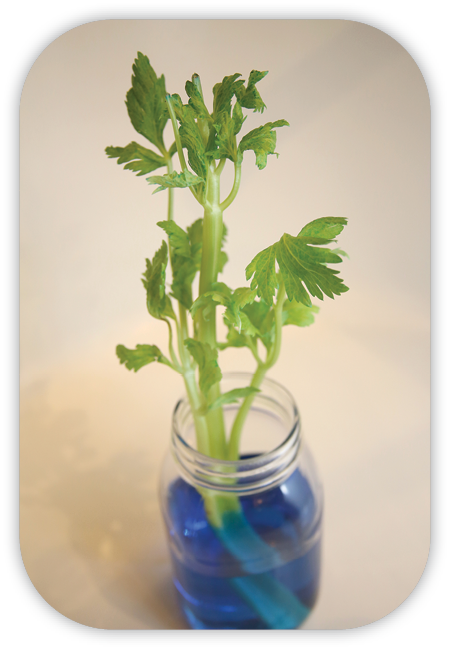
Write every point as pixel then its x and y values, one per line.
pixel 93 435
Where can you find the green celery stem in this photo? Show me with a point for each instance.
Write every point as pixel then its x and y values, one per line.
pixel 272 357
pixel 212 240
pixel 238 424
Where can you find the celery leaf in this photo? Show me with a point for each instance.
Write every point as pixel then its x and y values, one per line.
pixel 206 358
pixel 139 158
pixel 263 268
pixel 191 137
pixel 234 301
pixel 256 320
pixel 262 141
pixel 223 94
pixel 238 117
pixel 302 264
pixel 184 271
pixel 154 280
pixel 134 359
pixel 324 229
pixel 179 239
pixel 249 97
pixel 234 339
pixel 296 313
pixel 261 316
pixel 174 179
pixel 225 141
pixel 185 263
pixel 146 102
pixel 196 100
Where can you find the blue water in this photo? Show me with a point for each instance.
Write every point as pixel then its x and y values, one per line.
pixel 216 590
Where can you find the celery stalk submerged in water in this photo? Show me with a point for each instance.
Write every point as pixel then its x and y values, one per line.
pixel 283 277
pixel 276 591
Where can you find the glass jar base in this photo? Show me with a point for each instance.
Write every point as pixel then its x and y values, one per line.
pixel 215 591
pixel 218 623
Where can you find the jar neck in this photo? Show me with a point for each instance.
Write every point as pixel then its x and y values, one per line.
pixel 271 445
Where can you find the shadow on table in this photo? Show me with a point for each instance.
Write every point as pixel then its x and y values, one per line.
pixel 114 523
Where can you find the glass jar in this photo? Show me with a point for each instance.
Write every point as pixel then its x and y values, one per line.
pixel 259 567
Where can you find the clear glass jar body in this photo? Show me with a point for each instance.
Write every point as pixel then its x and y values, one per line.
pixel 260 567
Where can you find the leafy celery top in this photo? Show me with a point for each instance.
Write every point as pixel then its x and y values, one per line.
pixel 283 277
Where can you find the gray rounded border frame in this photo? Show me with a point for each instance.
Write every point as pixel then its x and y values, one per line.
pixel 429 581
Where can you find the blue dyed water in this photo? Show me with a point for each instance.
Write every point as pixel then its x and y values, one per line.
pixel 215 589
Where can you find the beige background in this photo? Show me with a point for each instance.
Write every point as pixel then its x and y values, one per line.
pixel 93 435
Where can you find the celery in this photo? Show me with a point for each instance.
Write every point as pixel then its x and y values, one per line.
pixel 284 277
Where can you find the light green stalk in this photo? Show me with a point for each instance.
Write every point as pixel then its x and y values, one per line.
pixel 206 328
pixel 186 368
pixel 258 377
pixel 234 190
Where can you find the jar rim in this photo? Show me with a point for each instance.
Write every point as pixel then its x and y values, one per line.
pixel 263 470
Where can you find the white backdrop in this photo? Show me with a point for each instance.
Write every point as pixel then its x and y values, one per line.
pixel 93 435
